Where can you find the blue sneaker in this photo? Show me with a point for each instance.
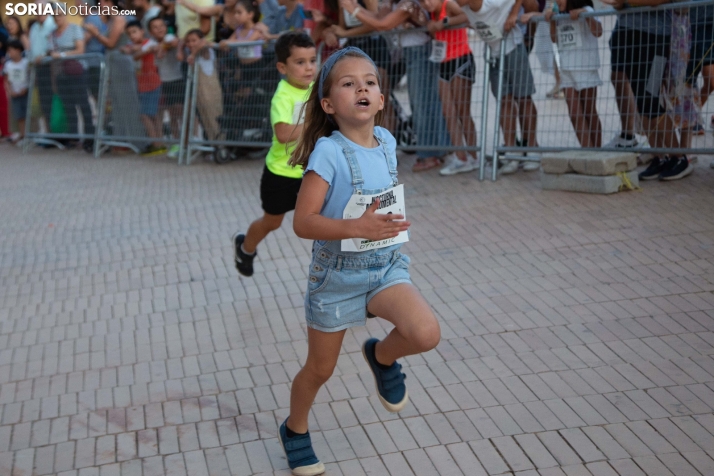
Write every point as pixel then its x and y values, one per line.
pixel 298 450
pixel 390 382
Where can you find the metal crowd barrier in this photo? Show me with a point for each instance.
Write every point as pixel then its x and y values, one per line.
pixel 63 88
pixel 227 94
pixel 670 99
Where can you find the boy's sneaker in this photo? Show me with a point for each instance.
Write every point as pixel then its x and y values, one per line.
pixel 653 170
pixel 455 166
pixel 298 450
pixel 531 165
pixel 508 167
pixel 244 261
pixel 676 168
pixel 173 151
pixel 389 381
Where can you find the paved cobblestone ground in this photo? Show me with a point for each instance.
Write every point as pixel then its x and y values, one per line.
pixel 578 330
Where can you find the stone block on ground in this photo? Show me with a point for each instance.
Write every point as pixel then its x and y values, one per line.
pixel 604 184
pixel 588 162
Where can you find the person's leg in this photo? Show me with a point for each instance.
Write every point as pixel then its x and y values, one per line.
pixel 528 117
pixel 625 100
pixel 708 86
pixel 81 86
pixel 453 124
pixel 323 349
pixel 509 115
pixel 416 329
pixel 67 94
pixel 259 229
pixel 589 102
pixel 461 91
pixel 577 117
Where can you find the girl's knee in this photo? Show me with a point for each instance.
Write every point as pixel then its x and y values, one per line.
pixel 318 372
pixel 428 335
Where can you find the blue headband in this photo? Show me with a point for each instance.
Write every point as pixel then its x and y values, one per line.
pixel 334 58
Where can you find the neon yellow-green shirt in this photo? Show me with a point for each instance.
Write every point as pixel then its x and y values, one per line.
pixel 285 107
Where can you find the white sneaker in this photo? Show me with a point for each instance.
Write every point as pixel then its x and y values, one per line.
pixel 531 166
pixel 455 166
pixel 508 167
pixel 620 142
pixel 173 151
pixel 470 158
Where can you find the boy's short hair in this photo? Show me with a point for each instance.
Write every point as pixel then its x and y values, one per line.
pixel 135 23
pixel 291 39
pixel 16 44
pixel 195 31
pixel 153 19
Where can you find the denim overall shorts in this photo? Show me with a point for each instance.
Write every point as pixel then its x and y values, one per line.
pixel 341 283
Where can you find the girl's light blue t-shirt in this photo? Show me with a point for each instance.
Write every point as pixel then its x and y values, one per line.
pixel 329 162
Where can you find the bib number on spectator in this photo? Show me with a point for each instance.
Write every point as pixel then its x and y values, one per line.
pixel 488 33
pixel 568 37
pixel 438 51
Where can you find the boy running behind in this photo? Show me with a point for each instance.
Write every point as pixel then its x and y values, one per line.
pixel 280 183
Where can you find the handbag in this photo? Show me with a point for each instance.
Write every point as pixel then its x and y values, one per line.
pixel 72 67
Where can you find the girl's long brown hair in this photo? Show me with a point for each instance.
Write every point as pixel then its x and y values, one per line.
pixel 317 122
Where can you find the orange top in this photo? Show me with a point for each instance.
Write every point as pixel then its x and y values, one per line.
pixel 148 76
pixel 457 41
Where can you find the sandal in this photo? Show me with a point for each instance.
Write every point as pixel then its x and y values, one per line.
pixel 422 165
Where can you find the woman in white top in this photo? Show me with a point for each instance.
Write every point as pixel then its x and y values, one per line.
pixel 579 63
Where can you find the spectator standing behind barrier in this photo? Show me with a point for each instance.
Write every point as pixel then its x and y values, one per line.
pixel 145 11
pixel 375 47
pixel 280 183
pixel 148 83
pixel 422 75
pixel 70 76
pixel 16 32
pixel 450 48
pixel 16 72
pixel 4 109
pixel 292 17
pixel 187 20
pixel 579 64
pixel 494 20
pixel 173 84
pixel 123 95
pixel 224 12
pixel 701 53
pixel 39 35
pixel 92 45
pixel 209 96
pixel 646 40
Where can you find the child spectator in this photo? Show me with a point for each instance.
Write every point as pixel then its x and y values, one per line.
pixel 173 84
pixel 292 16
pixel 148 83
pixel 209 96
pixel 247 17
pixel 17 83
pixel 279 186
pixel 451 50
pixel 493 20
pixel 579 64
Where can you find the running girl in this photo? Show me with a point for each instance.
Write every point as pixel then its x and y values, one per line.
pixel 579 64
pixel 451 49
pixel 347 160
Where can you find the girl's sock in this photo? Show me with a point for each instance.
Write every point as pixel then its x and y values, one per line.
pixel 244 251
pixel 291 433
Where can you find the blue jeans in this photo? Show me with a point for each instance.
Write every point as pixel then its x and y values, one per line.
pixel 422 81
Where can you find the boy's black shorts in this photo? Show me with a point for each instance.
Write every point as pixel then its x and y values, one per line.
pixel 278 194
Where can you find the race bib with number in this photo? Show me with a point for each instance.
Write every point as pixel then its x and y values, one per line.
pixel 391 202
pixel 569 36
pixel 250 52
pixel 438 51
pixel 488 33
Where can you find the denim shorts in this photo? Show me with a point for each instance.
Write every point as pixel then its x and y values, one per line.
pixel 339 287
pixel 149 102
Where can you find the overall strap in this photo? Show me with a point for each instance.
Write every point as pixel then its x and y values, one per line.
pixel 391 158
pixel 355 171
